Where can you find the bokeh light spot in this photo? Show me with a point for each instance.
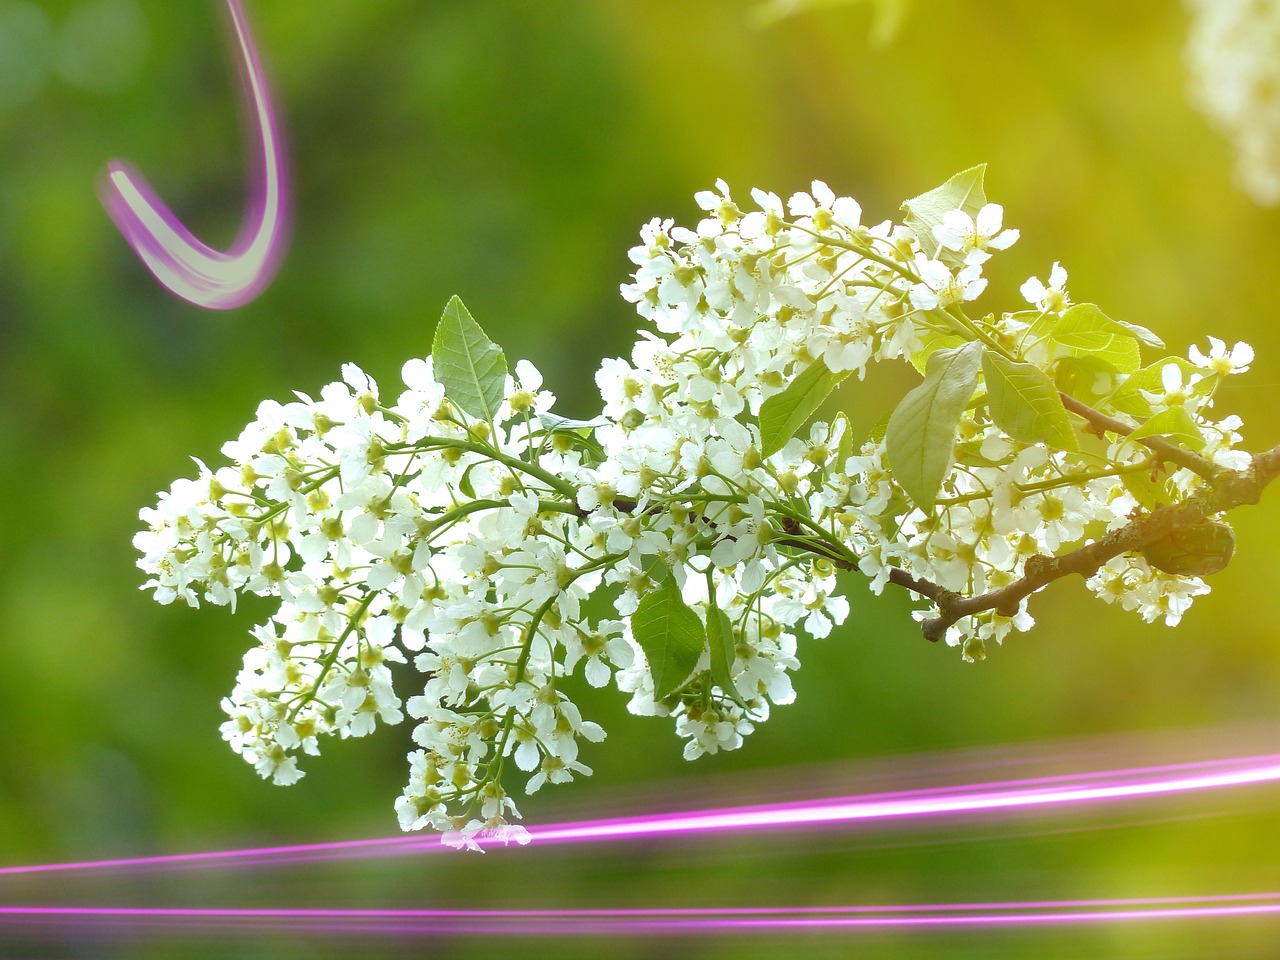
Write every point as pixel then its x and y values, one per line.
pixel 26 46
pixel 102 45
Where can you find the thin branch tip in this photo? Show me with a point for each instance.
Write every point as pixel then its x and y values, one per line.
pixel 1225 490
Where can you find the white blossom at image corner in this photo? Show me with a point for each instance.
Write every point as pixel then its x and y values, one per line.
pixel 1233 55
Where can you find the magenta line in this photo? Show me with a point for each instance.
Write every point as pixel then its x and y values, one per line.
pixel 695 920
pixel 570 913
pixel 1118 785
pixel 287 854
pixel 191 269
pixel 1011 796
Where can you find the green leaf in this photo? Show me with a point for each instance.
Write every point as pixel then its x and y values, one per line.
pixel 887 24
pixel 471 367
pixel 1085 331
pixel 931 341
pixel 1173 422
pixel 720 640
pixel 553 423
pixel 465 485
pixel 1025 404
pixel 786 412
pixel 845 448
pixel 880 428
pixel 962 192
pixel 579 432
pixel 1149 492
pixel 1086 378
pixel 922 429
pixel 890 519
pixel 1142 333
pixel 1128 397
pixel 671 636
pixel 655 568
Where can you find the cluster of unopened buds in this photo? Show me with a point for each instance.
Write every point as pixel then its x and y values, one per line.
pixel 677 544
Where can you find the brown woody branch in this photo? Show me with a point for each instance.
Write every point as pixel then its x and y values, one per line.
pixel 1162 448
pixel 1228 489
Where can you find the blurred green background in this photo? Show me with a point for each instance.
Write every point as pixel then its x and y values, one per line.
pixel 508 152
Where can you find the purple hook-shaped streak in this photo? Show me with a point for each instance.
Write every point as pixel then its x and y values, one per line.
pixel 191 269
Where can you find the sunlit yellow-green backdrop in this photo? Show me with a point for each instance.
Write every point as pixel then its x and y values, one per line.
pixel 508 152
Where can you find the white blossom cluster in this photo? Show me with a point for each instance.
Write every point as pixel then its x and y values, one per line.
pixel 353 513
pixel 750 300
pixel 411 532
pixel 1233 53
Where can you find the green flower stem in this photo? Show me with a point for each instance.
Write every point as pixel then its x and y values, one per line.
pixel 526 642
pixel 1066 480
pixel 475 506
pixel 282 505
pixel 332 656
pixel 558 484
pixel 863 251
pixel 966 323
pixel 1100 422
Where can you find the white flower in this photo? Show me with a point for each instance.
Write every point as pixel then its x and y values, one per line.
pixel 1233 52
pixel 765 222
pixel 1177 392
pixel 1221 361
pixel 720 204
pixel 822 208
pixel 972 237
pixel 939 287
pixel 1052 298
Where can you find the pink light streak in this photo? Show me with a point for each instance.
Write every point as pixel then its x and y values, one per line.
pixel 1013 795
pixel 608 922
pixel 186 266
pixel 1065 791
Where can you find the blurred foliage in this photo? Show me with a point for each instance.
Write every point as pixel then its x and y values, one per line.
pixel 508 153
pixel 887 20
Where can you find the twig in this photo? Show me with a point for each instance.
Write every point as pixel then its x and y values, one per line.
pixel 1161 447
pixel 1229 489
pixel 1226 489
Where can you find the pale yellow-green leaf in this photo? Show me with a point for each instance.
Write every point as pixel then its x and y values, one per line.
pixel 471 367
pixel 1024 403
pixel 921 434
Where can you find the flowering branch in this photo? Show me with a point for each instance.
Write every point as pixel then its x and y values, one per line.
pixel 1238 489
pixel 1166 451
pixel 677 545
